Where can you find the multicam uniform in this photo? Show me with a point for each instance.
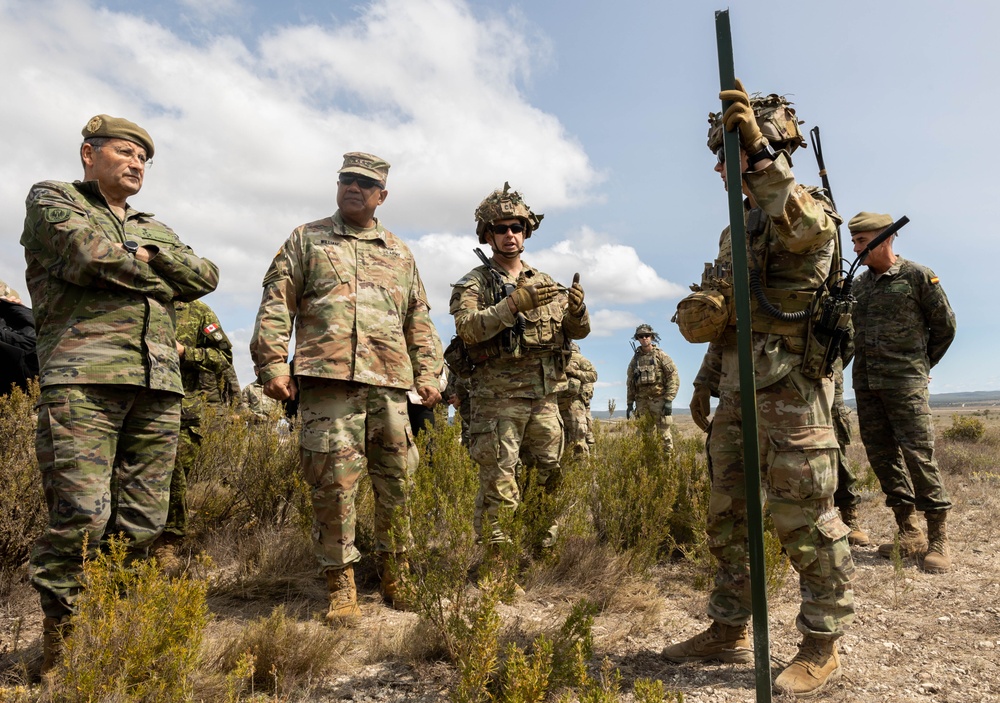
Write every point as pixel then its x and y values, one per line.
pixel 207 354
pixel 652 382
pixel 573 407
pixel 514 406
pixel 261 407
pixel 110 375
pixel 903 325
pixel 847 493
pixel 363 337
pixel 461 387
pixel 798 447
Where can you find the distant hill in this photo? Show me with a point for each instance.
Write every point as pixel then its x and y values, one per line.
pixel 938 400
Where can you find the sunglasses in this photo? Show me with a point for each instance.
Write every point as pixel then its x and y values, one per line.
pixel 502 229
pixel 721 155
pixel 364 183
pixel 643 336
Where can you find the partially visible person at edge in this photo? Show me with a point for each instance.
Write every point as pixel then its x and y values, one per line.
pixel 580 373
pixel 18 358
pixel 903 325
pixel 458 393
pixel 104 278
pixel 229 386
pixel 652 381
pixel 205 353
pixel 791 232
pixel 846 497
pixel 363 337
pixel 260 407
pixel 518 345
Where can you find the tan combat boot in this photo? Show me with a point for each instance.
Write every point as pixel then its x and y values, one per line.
pixel 816 665
pixel 938 559
pixel 912 542
pixel 723 643
pixel 343 596
pixel 54 634
pixel 392 569
pixel 857 537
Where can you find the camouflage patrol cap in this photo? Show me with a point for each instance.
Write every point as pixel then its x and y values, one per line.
pixel 118 128
pixel 365 165
pixel 868 222
pixel 775 118
pixel 503 205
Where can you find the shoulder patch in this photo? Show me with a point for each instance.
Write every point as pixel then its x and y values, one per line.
pixel 56 215
pixel 464 282
pixel 209 329
pixel 934 280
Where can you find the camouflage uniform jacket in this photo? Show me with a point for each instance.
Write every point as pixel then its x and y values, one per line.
pixel 358 306
pixel 536 369
pixel 794 251
pixel 903 325
pixel 580 376
pixel 102 315
pixel 650 375
pixel 253 399
pixel 207 354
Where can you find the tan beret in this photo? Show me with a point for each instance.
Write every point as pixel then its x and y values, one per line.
pixel 869 222
pixel 118 128
pixel 366 165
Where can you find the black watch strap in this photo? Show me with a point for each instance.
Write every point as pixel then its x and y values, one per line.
pixel 131 246
pixel 765 153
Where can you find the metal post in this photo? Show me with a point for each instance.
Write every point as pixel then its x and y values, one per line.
pixel 748 391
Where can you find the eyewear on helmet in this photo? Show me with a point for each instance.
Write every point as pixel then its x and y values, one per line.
pixel 720 154
pixel 364 183
pixel 502 229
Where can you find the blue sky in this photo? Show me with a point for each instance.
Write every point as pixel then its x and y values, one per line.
pixel 595 111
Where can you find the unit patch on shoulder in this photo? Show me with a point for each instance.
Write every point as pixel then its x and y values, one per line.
pixel 210 328
pixel 56 214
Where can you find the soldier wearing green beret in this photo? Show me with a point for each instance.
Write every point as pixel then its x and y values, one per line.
pixel 104 278
pixel 903 325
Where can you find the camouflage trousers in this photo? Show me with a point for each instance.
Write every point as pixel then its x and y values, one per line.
pixel 188 444
pixel 90 437
pixel 898 435
pixel 348 427
pixel 465 412
pixel 797 454
pixel 575 426
pixel 654 408
pixel 847 493
pixel 502 431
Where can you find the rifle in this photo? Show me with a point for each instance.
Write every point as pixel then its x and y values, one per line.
pixel 509 337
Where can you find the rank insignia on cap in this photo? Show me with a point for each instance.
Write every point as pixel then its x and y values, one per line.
pixel 210 328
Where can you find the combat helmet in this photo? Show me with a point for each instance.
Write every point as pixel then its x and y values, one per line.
pixel 775 118
pixel 646 329
pixel 503 205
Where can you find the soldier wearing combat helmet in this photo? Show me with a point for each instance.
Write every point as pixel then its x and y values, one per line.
pixel 790 240
pixel 517 324
pixel 652 382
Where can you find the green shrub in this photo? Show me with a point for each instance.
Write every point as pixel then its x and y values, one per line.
pixel 965 428
pixel 136 635
pixel 24 514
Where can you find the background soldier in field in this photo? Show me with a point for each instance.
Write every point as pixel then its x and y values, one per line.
pixel 575 411
pixel 18 358
pixel 363 337
pixel 846 497
pixel 903 325
pixel 459 396
pixel 104 278
pixel 790 237
pixel 205 353
pixel 652 382
pixel 518 344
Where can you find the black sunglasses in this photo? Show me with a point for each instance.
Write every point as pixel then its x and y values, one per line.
pixel 721 155
pixel 364 183
pixel 643 336
pixel 502 229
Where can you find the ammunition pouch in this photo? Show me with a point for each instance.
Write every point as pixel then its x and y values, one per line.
pixel 702 316
pixel 457 356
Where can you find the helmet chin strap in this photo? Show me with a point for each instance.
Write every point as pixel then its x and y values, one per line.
pixel 509 255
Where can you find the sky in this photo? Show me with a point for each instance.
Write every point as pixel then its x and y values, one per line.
pixel 595 111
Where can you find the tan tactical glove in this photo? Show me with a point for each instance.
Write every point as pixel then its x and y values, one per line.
pixel 534 296
pixel 576 306
pixel 701 406
pixel 740 115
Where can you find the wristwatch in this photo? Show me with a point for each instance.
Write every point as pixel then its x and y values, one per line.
pixel 765 153
pixel 131 246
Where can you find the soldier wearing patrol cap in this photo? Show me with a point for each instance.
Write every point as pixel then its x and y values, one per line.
pixel 652 382
pixel 350 290
pixel 903 325
pixel 518 342
pixel 104 278
pixel 790 237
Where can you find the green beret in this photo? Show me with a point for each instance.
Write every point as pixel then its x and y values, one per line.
pixel 366 165
pixel 118 128
pixel 869 222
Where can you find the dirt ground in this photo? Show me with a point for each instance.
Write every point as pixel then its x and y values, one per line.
pixel 917 637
